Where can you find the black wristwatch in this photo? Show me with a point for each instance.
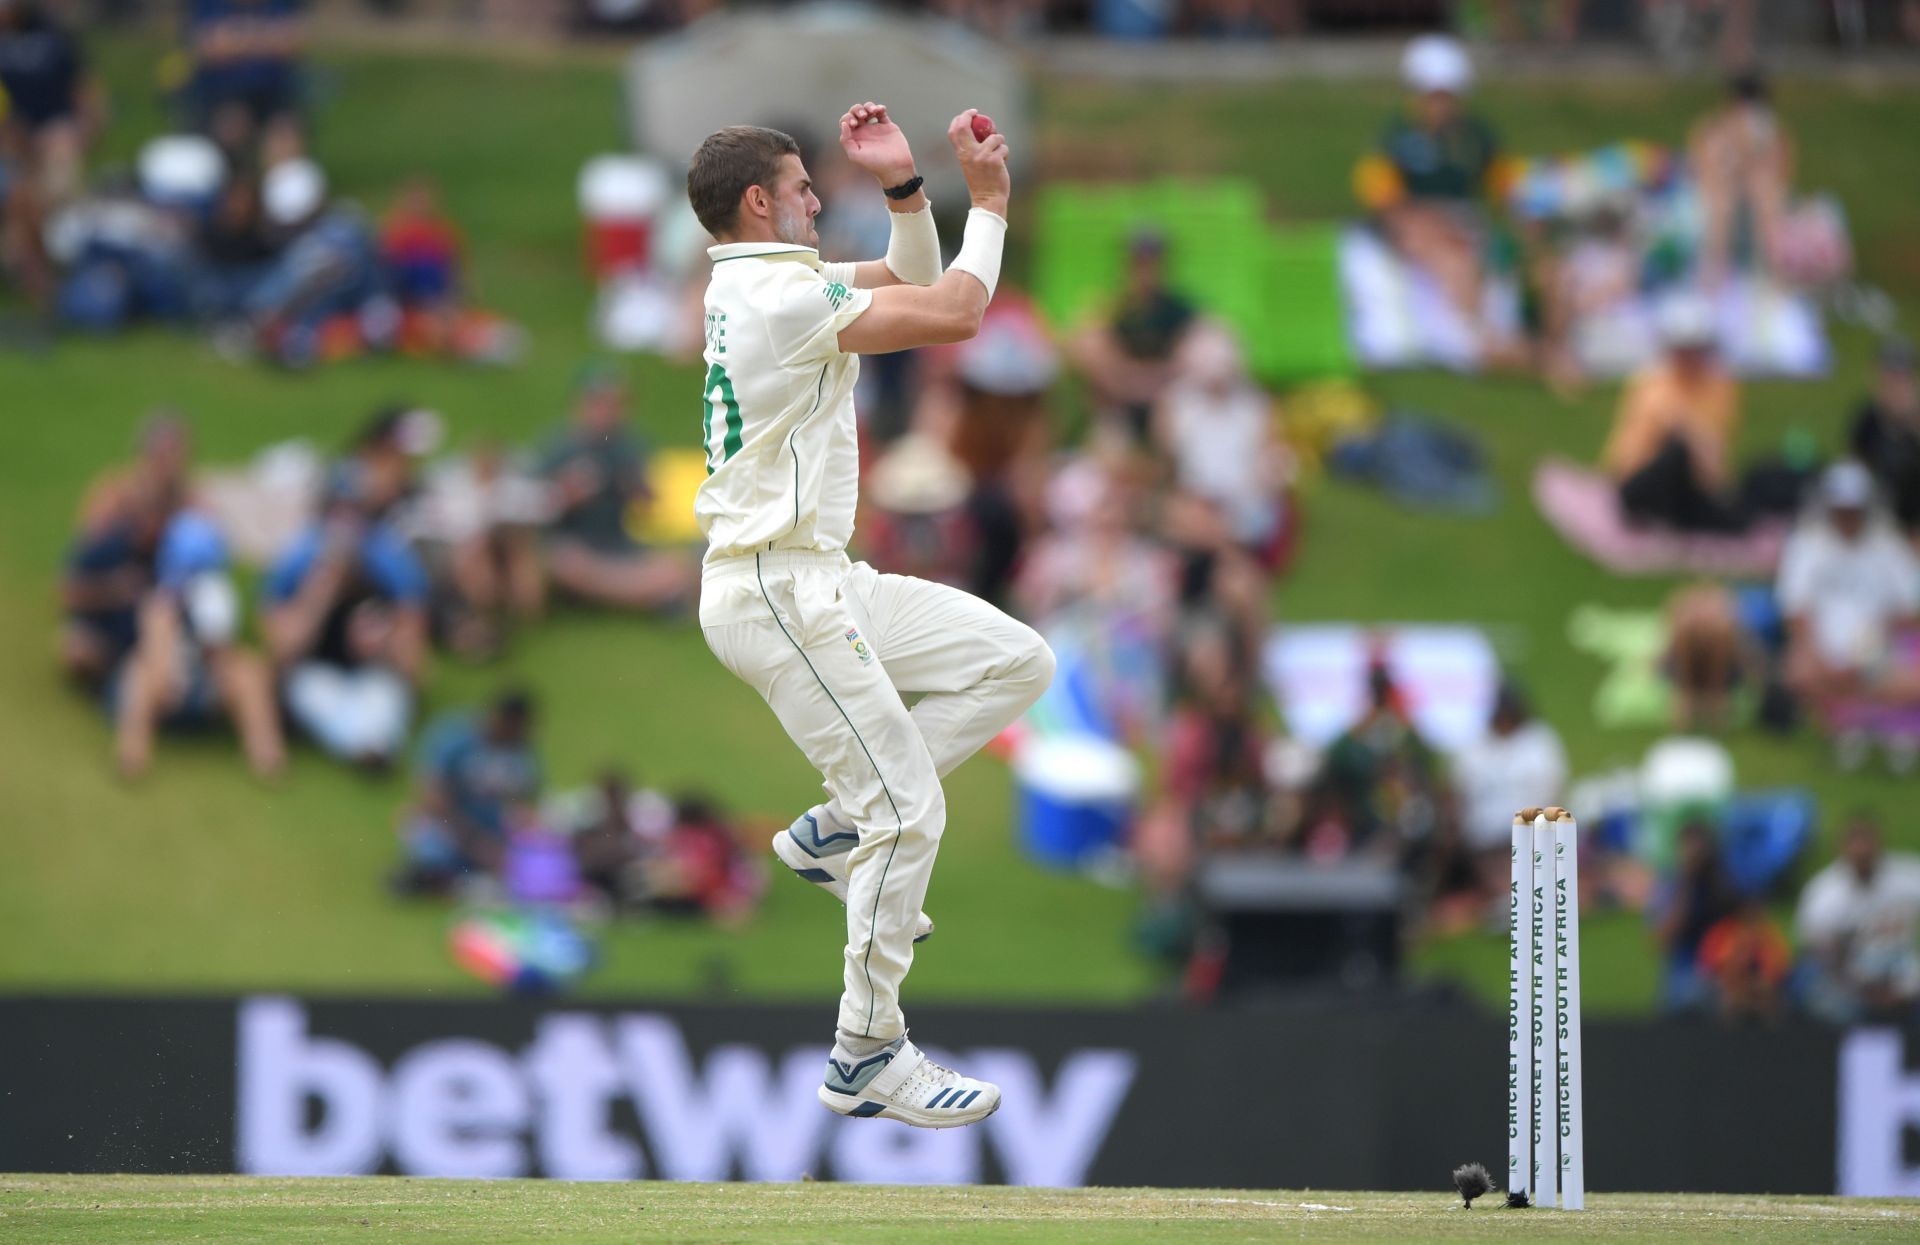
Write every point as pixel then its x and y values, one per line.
pixel 906 189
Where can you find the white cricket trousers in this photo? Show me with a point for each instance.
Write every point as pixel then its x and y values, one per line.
pixel 833 646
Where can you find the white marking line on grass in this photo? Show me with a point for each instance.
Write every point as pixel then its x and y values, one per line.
pixel 1252 1201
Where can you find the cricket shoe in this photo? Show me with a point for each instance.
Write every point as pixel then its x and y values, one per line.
pixel 822 860
pixel 901 1083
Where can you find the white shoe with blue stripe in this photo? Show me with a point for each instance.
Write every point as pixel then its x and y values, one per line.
pixel 820 857
pixel 901 1083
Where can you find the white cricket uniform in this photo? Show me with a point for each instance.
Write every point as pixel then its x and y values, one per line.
pixel 831 644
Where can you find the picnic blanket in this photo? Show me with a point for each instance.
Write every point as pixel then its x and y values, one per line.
pixel 1584 507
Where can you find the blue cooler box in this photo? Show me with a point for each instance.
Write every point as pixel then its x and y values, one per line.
pixel 1076 797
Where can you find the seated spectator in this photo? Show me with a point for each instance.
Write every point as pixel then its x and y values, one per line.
pixel 1217 429
pixel 917 521
pixel 376 474
pixel 1519 763
pixel 1428 182
pixel 476 523
pixel 1672 438
pixel 1098 586
pixel 1558 20
pixel 476 773
pixel 1747 960
pixel 1741 158
pixel 1695 899
pixel 1215 745
pixel 233 251
pixel 596 469
pixel 1128 359
pixel 159 471
pixel 50 109
pixel 608 847
pixel 1590 306
pixel 109 572
pixel 1857 924
pixel 699 868
pixel 421 255
pixel 1246 19
pixel 1886 433
pixel 421 247
pixel 188 668
pixel 1455 884
pixel 986 400
pixel 1708 656
pixel 245 89
pixel 346 623
pixel 1847 583
pixel 305 307
pixel 1380 790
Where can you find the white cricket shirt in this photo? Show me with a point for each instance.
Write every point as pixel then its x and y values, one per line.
pixel 783 451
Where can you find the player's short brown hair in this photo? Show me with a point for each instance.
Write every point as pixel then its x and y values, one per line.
pixel 728 162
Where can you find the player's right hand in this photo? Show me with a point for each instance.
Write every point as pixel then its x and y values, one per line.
pixel 983 164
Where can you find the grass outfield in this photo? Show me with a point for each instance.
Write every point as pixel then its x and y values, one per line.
pixel 226 1210
pixel 149 888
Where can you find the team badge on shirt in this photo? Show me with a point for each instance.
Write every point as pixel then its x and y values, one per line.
pixel 860 648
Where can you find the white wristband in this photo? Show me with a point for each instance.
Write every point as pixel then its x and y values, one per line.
pixel 913 247
pixel 980 248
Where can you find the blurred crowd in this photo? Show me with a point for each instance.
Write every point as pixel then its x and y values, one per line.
pixel 1728 29
pixel 226 224
pixel 373 564
pixel 1150 546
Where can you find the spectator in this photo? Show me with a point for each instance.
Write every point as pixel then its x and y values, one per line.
pixel 1428 182
pixel 1217 428
pixel 346 623
pixel 987 400
pixel 245 89
pixel 50 109
pixel 917 520
pixel 109 571
pixel 1857 923
pixel 306 305
pixel 1741 158
pixel 1886 433
pixel 476 522
pixel 421 247
pixel 477 773
pixel 1747 959
pixel 1673 435
pixel 421 255
pixel 1708 655
pixel 1847 584
pixel 1380 790
pixel 159 472
pixel 1215 745
pixel 234 250
pixel 1455 883
pixel 1519 763
pixel 1559 20
pixel 597 470
pixel 1128 359
pixel 608 847
pixel 1097 587
pixel 187 667
pixel 1691 902
pixel 1248 19
pixel 700 869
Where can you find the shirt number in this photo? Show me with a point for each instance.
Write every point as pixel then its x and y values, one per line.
pixel 720 401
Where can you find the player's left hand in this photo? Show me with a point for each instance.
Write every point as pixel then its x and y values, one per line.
pixel 874 143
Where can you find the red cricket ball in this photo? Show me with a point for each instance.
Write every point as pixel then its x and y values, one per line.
pixel 982 127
